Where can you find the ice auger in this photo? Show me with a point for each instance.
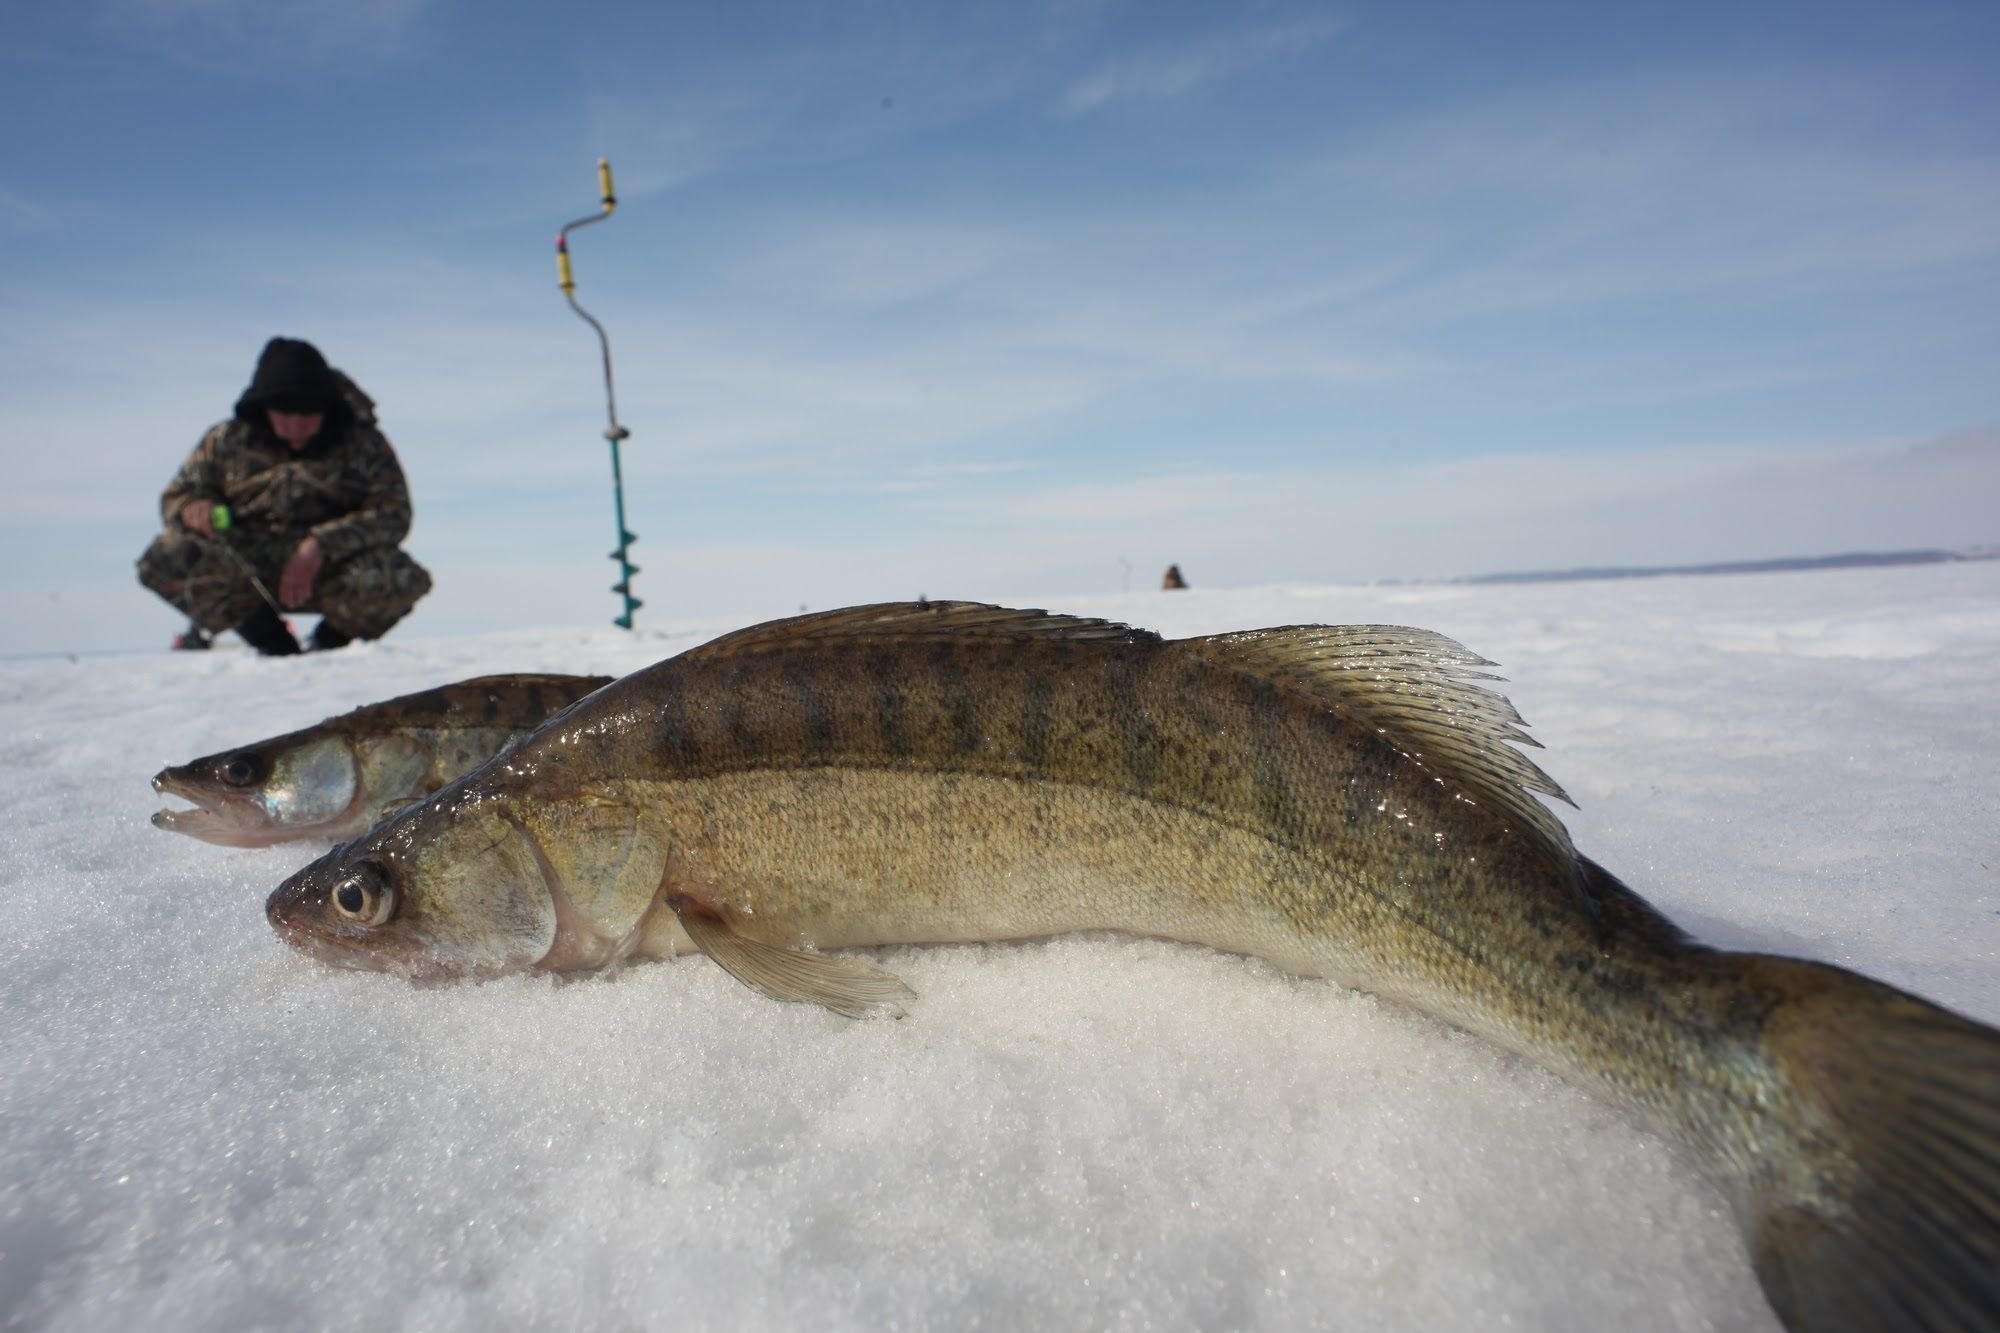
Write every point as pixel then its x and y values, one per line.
pixel 613 432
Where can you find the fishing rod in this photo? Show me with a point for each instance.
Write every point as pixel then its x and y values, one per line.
pixel 220 520
pixel 614 432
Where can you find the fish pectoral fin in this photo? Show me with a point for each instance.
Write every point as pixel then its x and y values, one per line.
pixel 845 985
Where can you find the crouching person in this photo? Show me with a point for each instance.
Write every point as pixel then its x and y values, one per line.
pixel 296 503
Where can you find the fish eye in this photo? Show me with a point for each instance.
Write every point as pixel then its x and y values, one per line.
pixel 242 770
pixel 364 895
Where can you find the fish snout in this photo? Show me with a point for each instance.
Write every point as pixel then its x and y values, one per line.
pixel 343 909
pixel 297 914
pixel 276 911
pixel 211 816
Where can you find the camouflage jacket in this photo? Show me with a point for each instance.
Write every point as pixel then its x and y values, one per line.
pixel 348 491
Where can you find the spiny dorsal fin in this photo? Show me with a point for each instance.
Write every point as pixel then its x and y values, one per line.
pixel 1415 687
pixel 920 620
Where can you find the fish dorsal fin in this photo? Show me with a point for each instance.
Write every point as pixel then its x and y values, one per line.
pixel 919 620
pixel 1419 690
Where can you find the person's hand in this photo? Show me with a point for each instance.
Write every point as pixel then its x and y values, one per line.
pixel 198 517
pixel 295 582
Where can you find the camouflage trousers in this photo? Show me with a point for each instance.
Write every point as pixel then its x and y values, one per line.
pixel 363 595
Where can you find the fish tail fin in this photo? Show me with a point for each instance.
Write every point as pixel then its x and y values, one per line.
pixel 1887 1215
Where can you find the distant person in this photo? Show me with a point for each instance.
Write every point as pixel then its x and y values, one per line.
pixel 316 511
pixel 1173 579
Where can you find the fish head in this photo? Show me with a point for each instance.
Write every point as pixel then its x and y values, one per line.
pixel 295 786
pixel 453 887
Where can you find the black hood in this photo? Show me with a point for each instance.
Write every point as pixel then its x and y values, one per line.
pixel 291 377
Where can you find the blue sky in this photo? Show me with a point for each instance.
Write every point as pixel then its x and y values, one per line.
pixel 1010 302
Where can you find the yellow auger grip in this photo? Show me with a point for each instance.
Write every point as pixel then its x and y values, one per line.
pixel 563 274
pixel 604 184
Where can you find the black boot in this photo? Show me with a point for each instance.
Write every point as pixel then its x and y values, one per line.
pixel 194 638
pixel 268 634
pixel 327 635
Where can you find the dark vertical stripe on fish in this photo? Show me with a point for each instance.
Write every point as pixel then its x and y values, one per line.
pixel 1135 725
pixel 1035 723
pixel 1209 768
pixel 744 741
pixel 880 664
pixel 670 729
pixel 1276 803
pixel 966 733
pixel 815 719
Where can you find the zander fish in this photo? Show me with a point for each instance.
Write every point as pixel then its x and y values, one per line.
pixel 335 780
pixel 1344 801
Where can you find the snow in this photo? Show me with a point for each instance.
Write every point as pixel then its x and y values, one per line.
pixel 200 1128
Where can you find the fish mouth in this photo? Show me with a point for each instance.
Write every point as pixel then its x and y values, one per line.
pixel 362 955
pixel 235 819
pixel 332 952
pixel 224 818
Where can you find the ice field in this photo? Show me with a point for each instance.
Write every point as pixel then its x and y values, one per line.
pixel 201 1129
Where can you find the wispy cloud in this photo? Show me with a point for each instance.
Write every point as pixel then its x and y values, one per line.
pixel 819 86
pixel 888 262
pixel 1586 190
pixel 928 479
pixel 215 33
pixel 1164 71
pixel 1522 511
pixel 1974 444
pixel 22 213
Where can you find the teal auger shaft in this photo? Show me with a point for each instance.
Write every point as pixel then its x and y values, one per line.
pixel 614 433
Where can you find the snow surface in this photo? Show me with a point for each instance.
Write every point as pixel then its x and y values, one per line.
pixel 200 1128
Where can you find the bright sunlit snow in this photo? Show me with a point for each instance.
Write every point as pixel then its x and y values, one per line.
pixel 201 1129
